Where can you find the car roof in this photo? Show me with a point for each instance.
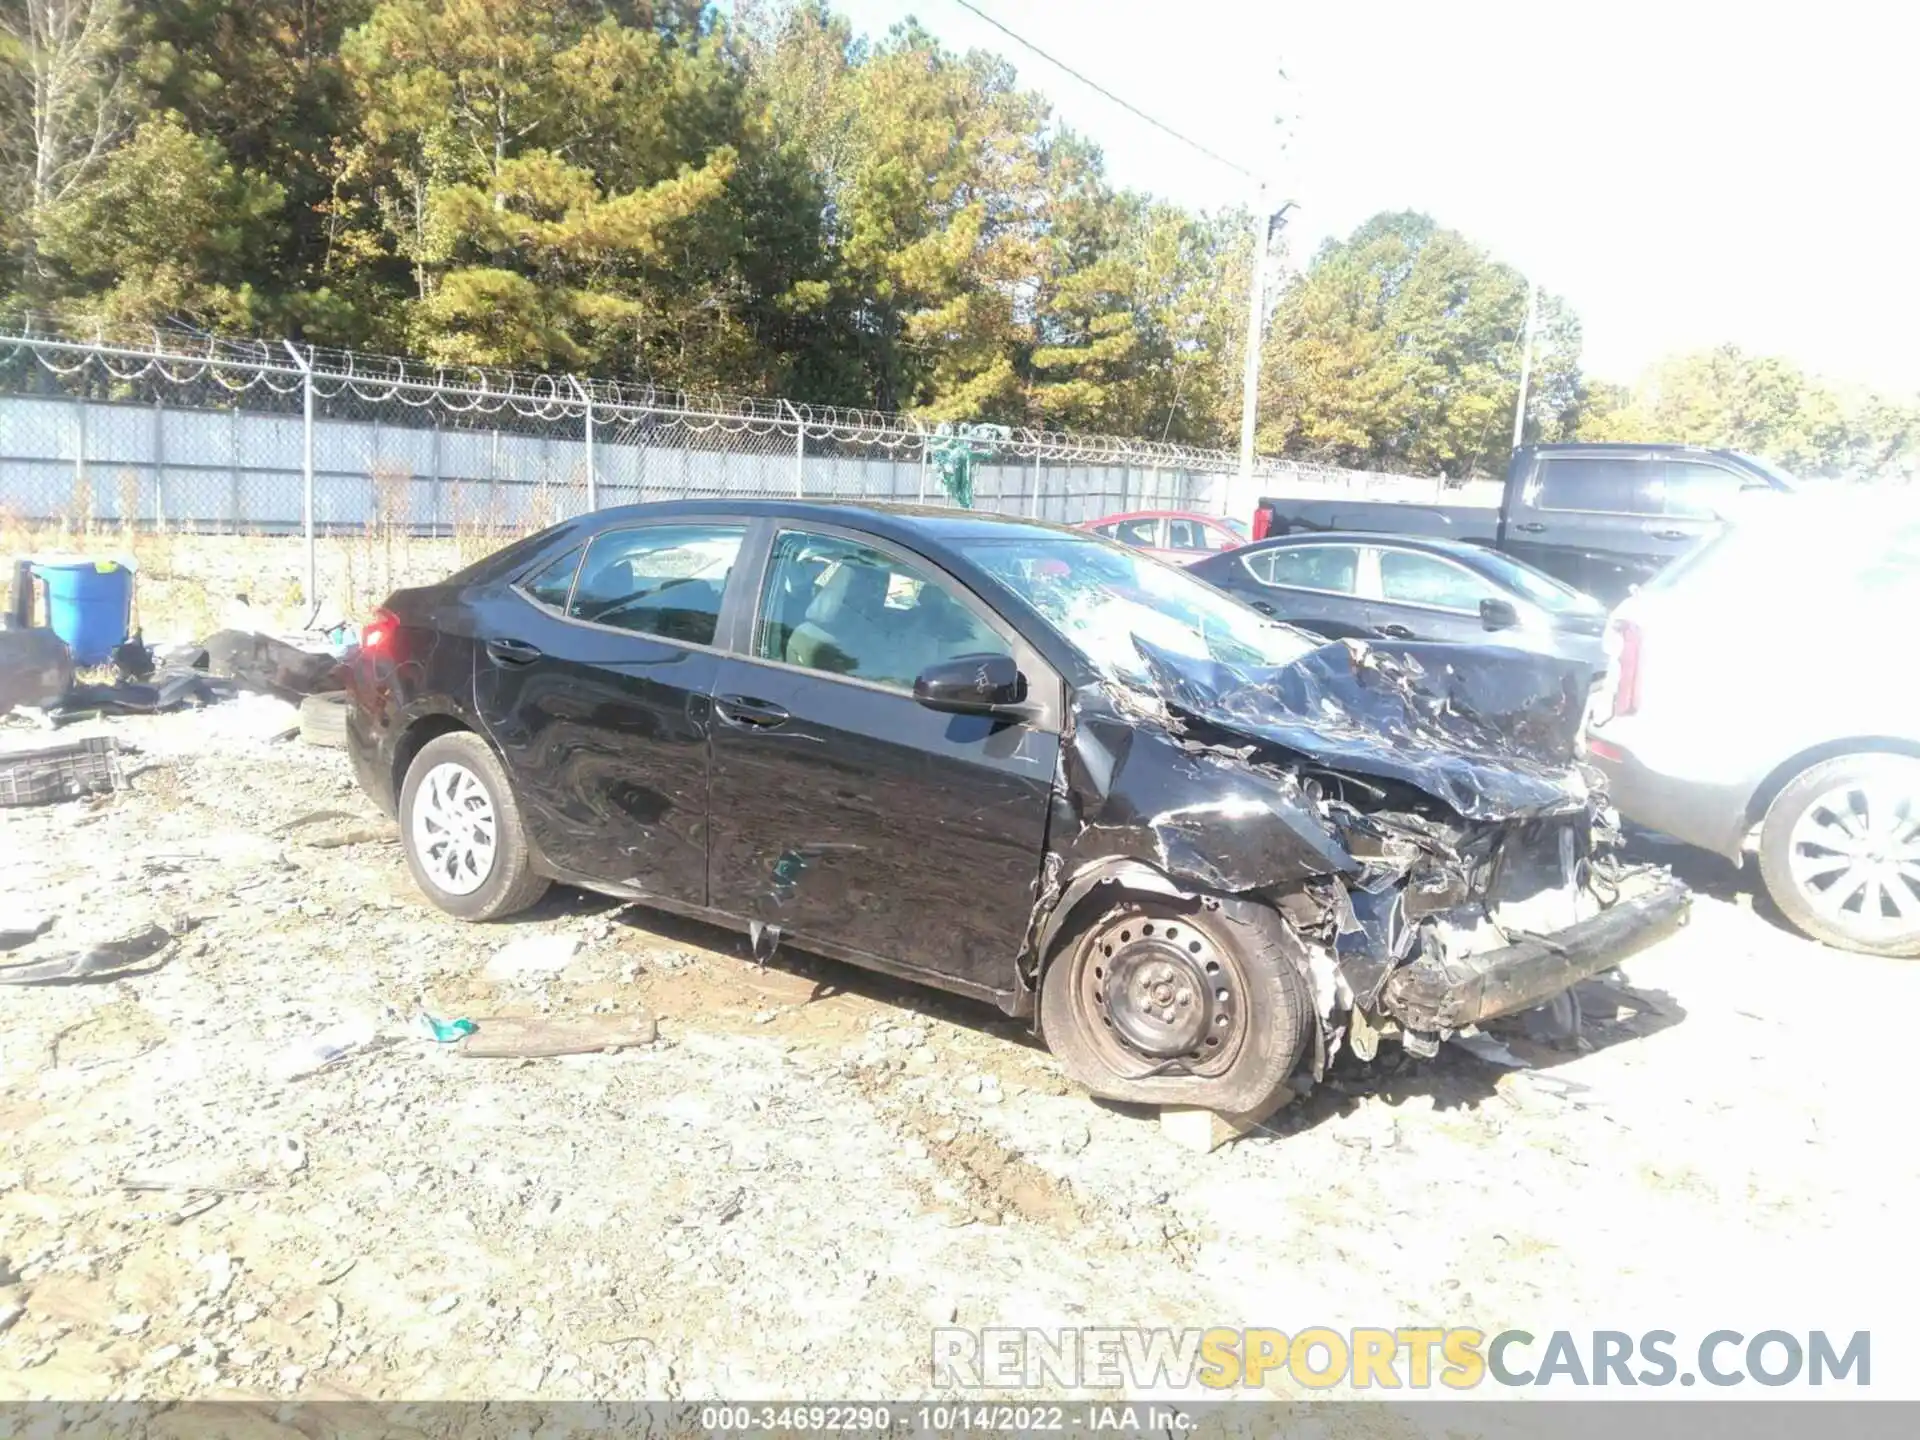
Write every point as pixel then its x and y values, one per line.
pixel 1154 515
pixel 934 522
pixel 1458 549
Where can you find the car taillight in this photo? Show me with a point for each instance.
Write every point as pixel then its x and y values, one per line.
pixel 1626 667
pixel 1262 522
pixel 377 635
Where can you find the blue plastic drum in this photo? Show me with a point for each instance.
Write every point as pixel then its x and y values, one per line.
pixel 89 603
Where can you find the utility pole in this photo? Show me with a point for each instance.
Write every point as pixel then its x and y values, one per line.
pixel 1256 317
pixel 1265 227
pixel 1526 364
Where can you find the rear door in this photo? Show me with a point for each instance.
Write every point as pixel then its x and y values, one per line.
pixel 1190 538
pixel 850 815
pixel 1315 586
pixel 1423 596
pixel 594 683
pixel 1595 520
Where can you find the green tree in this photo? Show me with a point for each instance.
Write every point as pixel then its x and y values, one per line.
pixel 264 79
pixel 1765 406
pixel 63 107
pixel 1399 348
pixel 165 232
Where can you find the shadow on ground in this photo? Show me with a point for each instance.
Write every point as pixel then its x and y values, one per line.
pixel 1613 1013
pixel 828 977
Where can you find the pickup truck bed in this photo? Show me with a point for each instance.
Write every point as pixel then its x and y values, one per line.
pixel 1475 524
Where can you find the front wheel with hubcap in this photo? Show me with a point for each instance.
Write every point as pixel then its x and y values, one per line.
pixel 1840 853
pixel 1167 1004
pixel 460 827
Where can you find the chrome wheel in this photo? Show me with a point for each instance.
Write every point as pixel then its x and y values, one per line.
pixel 454 834
pixel 1160 995
pixel 1854 855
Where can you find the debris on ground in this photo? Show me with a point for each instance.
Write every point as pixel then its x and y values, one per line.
pixel 105 960
pixel 45 774
pixel 514 1037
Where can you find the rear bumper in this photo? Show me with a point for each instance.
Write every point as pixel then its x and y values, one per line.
pixel 1710 815
pixel 1433 995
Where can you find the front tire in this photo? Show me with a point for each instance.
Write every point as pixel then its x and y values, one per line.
pixel 1200 1005
pixel 1840 853
pixel 460 827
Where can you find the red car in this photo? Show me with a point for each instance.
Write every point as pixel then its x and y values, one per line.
pixel 1176 535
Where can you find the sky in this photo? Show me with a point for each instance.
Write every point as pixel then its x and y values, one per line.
pixel 1687 174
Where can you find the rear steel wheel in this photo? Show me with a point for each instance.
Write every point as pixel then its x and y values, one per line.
pixel 454 828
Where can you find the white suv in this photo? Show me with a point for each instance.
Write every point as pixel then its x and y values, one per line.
pixel 1763 691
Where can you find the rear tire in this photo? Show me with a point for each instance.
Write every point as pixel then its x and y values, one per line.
pixel 461 830
pixel 1161 1003
pixel 1840 853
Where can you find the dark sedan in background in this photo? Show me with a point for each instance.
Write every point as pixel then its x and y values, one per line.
pixel 1010 759
pixel 1398 587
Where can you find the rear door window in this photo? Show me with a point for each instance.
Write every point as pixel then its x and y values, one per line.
pixel 1332 568
pixel 661 580
pixel 1408 577
pixel 1142 534
pixel 1612 484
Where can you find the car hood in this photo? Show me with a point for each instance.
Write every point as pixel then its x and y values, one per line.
pixel 1490 733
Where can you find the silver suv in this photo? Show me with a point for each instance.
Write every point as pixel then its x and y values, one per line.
pixel 1761 693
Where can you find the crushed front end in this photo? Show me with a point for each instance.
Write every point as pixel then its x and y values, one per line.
pixel 1448 925
pixel 1418 813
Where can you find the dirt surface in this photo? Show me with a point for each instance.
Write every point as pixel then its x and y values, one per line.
pixel 811 1167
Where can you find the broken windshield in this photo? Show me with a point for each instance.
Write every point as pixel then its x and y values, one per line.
pixel 1104 598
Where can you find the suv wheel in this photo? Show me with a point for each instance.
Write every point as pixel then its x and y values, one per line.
pixel 1840 853
pixel 1165 1004
pixel 460 827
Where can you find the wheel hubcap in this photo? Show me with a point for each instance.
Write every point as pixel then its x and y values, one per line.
pixel 454 834
pixel 1159 991
pixel 1856 855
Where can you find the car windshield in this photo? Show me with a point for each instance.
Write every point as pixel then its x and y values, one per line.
pixel 1105 599
pixel 1530 584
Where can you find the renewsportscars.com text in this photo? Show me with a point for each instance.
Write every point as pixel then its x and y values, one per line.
pixel 1399 1358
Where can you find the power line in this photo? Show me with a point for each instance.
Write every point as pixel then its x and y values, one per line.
pixel 1100 89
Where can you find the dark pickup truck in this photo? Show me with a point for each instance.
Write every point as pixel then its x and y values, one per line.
pixel 1603 518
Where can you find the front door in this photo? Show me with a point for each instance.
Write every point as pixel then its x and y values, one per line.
pixel 846 813
pixel 1423 596
pixel 596 691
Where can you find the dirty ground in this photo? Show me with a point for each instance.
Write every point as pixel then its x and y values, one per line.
pixel 239 1165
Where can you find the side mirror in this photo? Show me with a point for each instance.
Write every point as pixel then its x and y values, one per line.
pixel 971 685
pixel 1498 615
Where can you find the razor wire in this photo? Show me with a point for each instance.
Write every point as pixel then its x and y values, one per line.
pixel 180 430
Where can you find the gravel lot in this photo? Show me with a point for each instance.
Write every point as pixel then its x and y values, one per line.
pixel 811 1166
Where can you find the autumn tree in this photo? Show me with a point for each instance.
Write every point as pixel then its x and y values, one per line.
pixel 63 106
pixel 1399 348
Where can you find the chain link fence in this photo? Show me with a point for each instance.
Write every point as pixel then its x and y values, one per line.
pixel 190 436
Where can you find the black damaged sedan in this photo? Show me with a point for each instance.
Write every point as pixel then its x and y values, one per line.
pixel 1202 850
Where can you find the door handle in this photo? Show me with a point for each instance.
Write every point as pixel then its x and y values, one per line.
pixel 1397 632
pixel 1263 607
pixel 1532 527
pixel 747 713
pixel 1668 534
pixel 513 652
